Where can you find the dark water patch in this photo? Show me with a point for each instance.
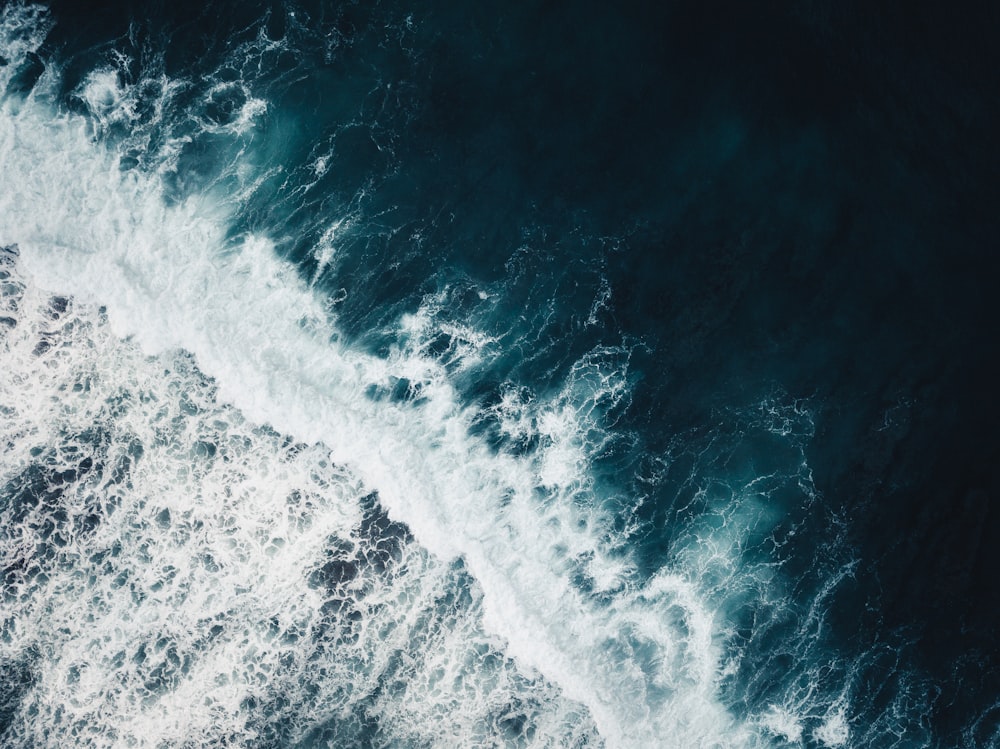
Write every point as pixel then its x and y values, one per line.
pixel 339 568
pixel 383 537
pixel 26 76
pixel 398 390
pixel 17 677
pixel 22 491
pixel 350 567
pixel 353 728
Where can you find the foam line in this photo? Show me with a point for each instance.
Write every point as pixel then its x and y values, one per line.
pixel 645 665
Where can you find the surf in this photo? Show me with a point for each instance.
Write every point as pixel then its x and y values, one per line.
pixel 171 280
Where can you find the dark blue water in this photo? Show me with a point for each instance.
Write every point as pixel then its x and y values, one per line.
pixel 751 249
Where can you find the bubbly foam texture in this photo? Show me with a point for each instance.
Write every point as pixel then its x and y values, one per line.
pixel 232 573
pixel 23 29
pixel 174 574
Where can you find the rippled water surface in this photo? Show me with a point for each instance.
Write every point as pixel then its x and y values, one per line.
pixel 386 375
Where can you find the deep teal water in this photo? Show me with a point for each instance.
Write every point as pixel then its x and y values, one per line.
pixel 774 228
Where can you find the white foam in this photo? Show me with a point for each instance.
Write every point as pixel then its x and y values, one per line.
pixel 193 597
pixel 784 724
pixel 834 730
pixel 644 665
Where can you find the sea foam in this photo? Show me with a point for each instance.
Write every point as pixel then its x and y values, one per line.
pixel 200 316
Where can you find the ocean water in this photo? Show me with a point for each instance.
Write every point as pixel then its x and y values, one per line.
pixel 436 375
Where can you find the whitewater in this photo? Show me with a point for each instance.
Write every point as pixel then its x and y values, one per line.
pixel 231 524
